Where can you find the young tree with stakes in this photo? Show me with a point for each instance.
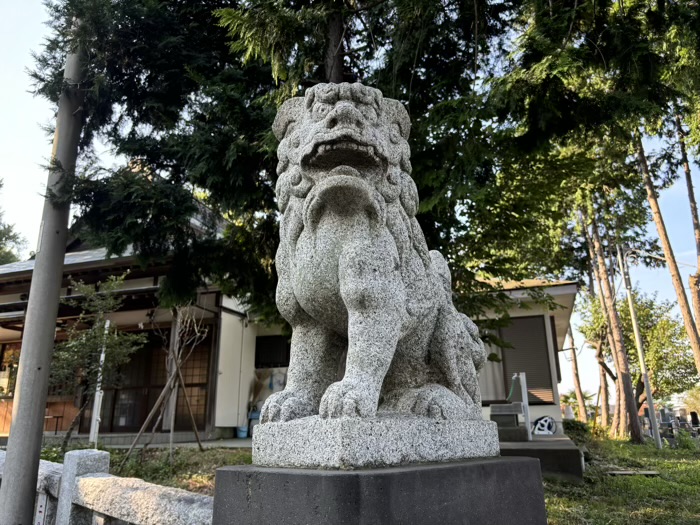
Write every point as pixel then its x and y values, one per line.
pixel 76 364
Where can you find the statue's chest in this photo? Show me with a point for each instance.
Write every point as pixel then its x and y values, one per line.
pixel 315 275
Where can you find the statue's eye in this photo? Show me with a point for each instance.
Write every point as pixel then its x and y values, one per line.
pixel 368 112
pixel 321 110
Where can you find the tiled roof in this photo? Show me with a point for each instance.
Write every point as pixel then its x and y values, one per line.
pixel 529 283
pixel 71 259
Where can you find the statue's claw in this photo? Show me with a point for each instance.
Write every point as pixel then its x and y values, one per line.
pixel 347 399
pixel 438 402
pixel 285 406
pixel 433 401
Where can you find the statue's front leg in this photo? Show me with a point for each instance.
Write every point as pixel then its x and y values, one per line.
pixel 373 292
pixel 313 365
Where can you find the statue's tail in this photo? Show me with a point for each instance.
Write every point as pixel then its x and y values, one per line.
pixel 441 268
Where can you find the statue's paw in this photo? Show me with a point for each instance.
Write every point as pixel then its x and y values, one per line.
pixel 433 401
pixel 285 406
pixel 348 399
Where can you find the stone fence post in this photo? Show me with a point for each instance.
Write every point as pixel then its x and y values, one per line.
pixel 78 463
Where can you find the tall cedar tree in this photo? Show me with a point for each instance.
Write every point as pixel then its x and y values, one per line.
pixel 188 105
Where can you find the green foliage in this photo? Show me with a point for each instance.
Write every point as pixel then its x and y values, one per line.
pixel 269 31
pixel 190 470
pixel 193 118
pixel 522 114
pixel 685 441
pixel 569 398
pixel 691 399
pixel 10 241
pixel 76 361
pixel 165 93
pixel 53 454
pixel 668 355
pixel 578 431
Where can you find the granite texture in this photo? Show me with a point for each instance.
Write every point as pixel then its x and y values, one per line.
pixel 357 282
pixel 385 440
pixel 77 463
pixel 494 491
pixel 136 501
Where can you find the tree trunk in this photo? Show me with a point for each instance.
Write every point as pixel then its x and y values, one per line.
pixel 334 50
pixel 626 389
pixel 616 429
pixel 693 280
pixel 156 406
pixel 619 424
pixel 577 382
pixel 74 424
pixel 639 393
pixel 690 327
pixel 604 394
pixel 154 429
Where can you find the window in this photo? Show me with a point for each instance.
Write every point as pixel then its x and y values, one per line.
pixel 125 408
pixel 272 351
pixel 9 359
pixel 529 354
pixel 195 372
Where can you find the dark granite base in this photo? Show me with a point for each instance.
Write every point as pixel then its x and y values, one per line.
pixel 512 434
pixel 559 457
pixel 494 491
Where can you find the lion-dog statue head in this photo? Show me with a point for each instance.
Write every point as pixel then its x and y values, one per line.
pixel 356 279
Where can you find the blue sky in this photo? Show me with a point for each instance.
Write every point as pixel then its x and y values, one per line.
pixel 25 147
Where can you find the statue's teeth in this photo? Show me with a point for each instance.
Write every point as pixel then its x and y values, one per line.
pixel 324 148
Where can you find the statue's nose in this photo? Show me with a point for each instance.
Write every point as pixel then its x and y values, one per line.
pixel 345 114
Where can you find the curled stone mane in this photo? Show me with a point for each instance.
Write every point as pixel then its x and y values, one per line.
pixel 397 188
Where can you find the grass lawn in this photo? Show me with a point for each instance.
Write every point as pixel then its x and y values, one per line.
pixel 672 498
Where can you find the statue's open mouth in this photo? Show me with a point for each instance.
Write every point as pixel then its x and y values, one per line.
pixel 345 192
pixel 343 149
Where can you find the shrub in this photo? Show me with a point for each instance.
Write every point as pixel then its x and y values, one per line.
pixel 685 441
pixel 577 431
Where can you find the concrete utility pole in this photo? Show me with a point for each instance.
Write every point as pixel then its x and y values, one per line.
pixel 622 261
pixel 18 490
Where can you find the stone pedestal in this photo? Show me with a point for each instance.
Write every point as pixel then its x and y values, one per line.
pixel 493 491
pixel 386 440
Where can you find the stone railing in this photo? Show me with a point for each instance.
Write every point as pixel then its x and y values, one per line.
pixel 81 491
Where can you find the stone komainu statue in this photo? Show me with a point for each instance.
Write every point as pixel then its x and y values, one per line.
pixel 355 274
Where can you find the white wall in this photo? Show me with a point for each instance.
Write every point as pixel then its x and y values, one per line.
pixel 491 381
pixel 236 367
